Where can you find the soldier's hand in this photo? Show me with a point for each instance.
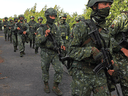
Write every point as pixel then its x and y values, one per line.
pixel 110 72
pixel 35 33
pixel 9 27
pixel 24 32
pixel 63 47
pixel 18 28
pixel 47 32
pixel 125 51
pixel 4 25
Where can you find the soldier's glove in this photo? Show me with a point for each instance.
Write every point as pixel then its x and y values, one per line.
pixel 125 51
pixel 97 55
pixel 63 47
pixel 18 28
pixel 47 32
pixel 24 32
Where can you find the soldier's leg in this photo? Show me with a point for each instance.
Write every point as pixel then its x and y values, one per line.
pixel 5 33
pixel 45 64
pixel 14 42
pixel 33 41
pixel 123 65
pixel 20 43
pixel 57 65
pixel 11 38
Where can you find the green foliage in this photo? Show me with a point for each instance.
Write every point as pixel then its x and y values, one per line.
pixel 117 7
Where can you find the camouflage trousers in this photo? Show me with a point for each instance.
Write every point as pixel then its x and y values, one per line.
pixel 21 42
pixel 5 33
pixel 85 81
pixel 122 62
pixel 15 40
pixel 50 57
pixel 10 35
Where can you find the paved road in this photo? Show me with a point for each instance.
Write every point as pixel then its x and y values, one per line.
pixel 22 76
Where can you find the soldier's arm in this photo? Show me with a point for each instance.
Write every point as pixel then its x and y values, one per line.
pixel 27 31
pixel 76 51
pixel 40 37
pixel 118 25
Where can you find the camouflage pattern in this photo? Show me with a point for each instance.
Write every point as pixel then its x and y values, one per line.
pixel 64 30
pixel 32 30
pixel 21 37
pixel 48 55
pixel 5 25
pixel 10 25
pixel 1 25
pixel 84 79
pixel 119 25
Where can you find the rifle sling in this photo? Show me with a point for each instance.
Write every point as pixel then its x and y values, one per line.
pixel 86 42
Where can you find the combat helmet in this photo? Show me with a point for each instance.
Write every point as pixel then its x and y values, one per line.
pixel 64 15
pixel 21 16
pixel 93 2
pixel 50 11
pixel 5 17
pixel 15 18
pixel 40 18
pixel 78 18
pixel 10 20
pixel 32 17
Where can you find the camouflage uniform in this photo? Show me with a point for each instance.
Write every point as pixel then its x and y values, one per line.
pixel 84 79
pixel 117 28
pixel 40 19
pixel 14 35
pixel 10 25
pixel 48 54
pixel 1 25
pixel 5 24
pixel 64 29
pixel 32 30
pixel 21 36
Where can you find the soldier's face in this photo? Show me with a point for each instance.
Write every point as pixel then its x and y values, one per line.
pixel 102 5
pixel 21 18
pixel 52 16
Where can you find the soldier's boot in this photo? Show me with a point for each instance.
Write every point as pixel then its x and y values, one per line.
pixel 21 54
pixel 46 87
pixel 56 90
pixel 30 43
pixel 15 48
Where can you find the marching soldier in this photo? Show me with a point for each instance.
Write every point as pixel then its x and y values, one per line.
pixel 5 24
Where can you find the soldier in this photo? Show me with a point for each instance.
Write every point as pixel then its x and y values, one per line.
pixel 14 35
pixel 39 24
pixel 10 25
pixel 85 54
pixel 0 25
pixel 32 29
pixel 118 32
pixel 22 29
pixel 25 20
pixel 49 39
pixel 5 24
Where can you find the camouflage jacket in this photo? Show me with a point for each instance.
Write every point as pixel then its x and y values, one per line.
pixel 64 29
pixel 47 42
pixel 77 50
pixel 5 23
pixel 33 26
pixel 119 25
pixel 23 25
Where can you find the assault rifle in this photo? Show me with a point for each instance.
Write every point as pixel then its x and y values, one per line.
pixel 57 49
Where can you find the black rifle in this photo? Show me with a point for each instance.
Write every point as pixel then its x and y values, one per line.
pixel 57 49
pixel 22 29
